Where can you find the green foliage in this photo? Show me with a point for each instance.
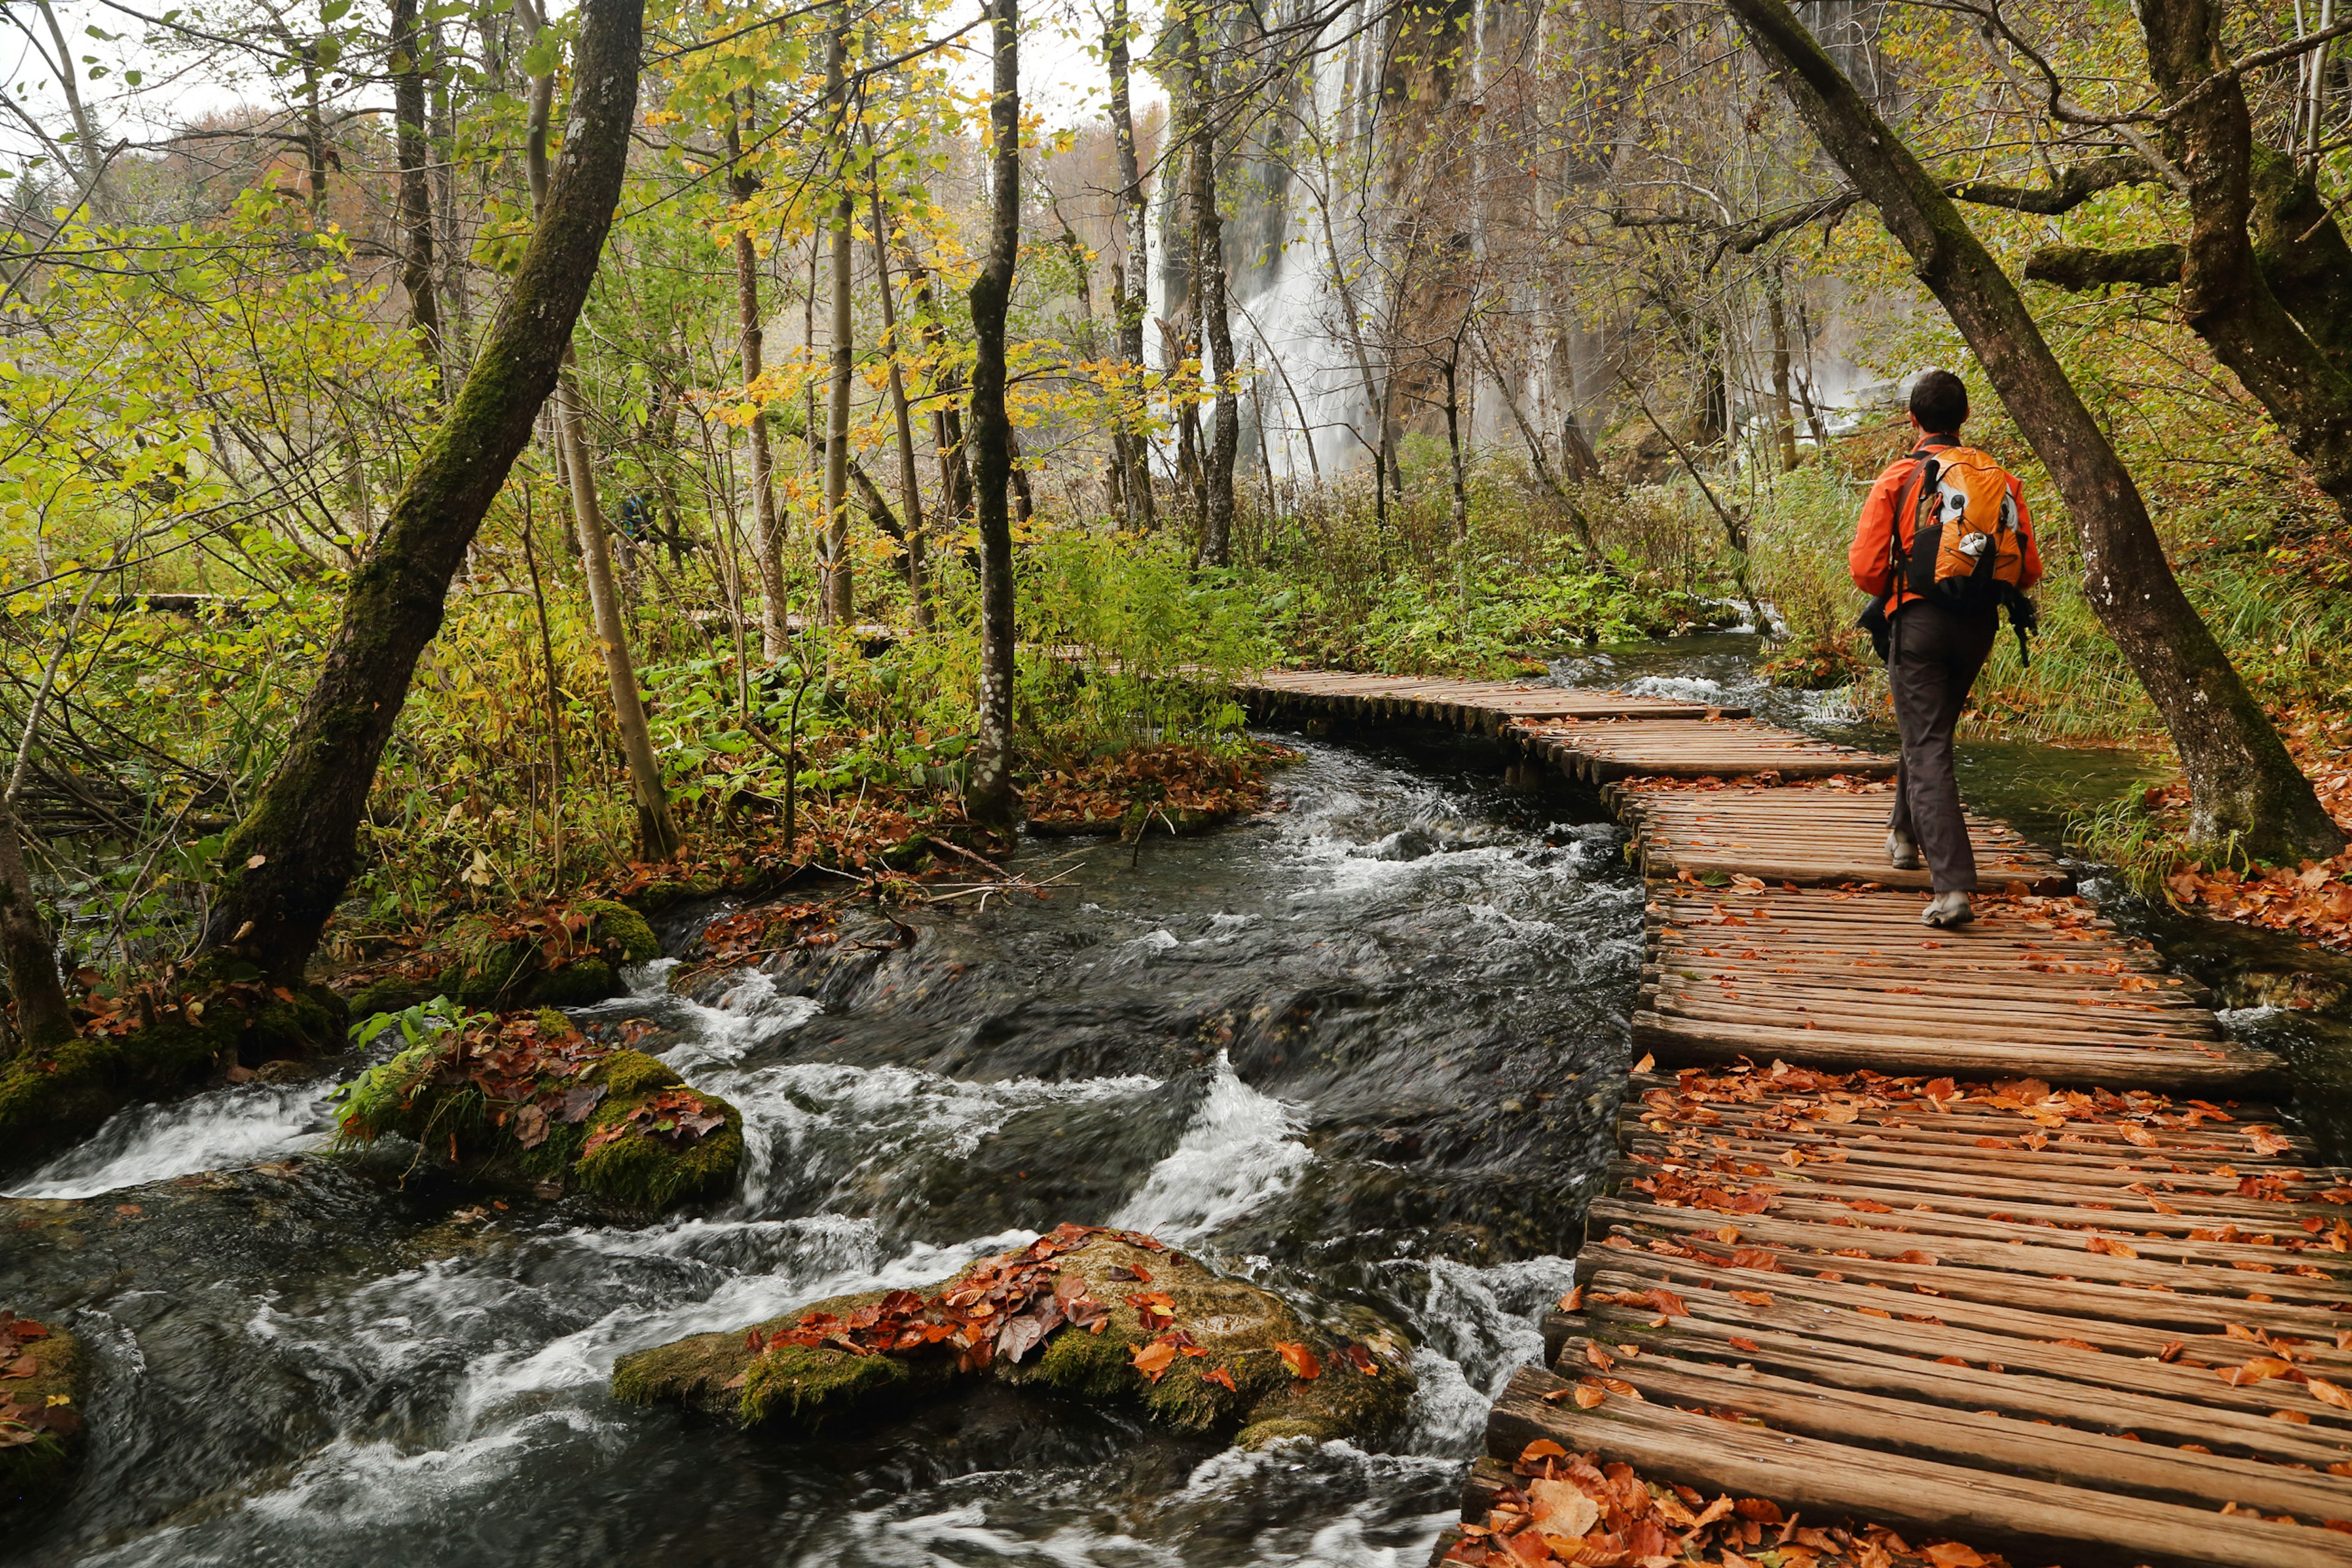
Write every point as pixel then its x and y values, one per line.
pixel 1340 579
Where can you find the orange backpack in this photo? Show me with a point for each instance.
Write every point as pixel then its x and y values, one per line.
pixel 1965 546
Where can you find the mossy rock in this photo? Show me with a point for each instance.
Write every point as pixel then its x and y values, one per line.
pixel 648 1172
pixel 1235 1324
pixel 638 1170
pixel 392 994
pixel 49 1099
pixel 36 1474
pixel 792 1384
pixel 504 975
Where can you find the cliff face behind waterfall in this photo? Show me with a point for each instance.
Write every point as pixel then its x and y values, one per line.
pixel 1479 187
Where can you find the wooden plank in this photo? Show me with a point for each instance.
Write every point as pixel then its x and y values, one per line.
pixel 1808 838
pixel 2022 1392
pixel 2210 1069
pixel 2055 1452
pixel 2028 1519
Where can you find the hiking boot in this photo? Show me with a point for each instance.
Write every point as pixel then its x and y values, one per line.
pixel 1902 850
pixel 1947 910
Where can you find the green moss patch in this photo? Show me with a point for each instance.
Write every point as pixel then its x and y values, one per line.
pixel 40 1417
pixel 551 959
pixel 527 1098
pixel 1083 1313
pixel 161 1046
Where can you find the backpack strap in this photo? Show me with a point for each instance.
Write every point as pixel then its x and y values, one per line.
pixel 1898 558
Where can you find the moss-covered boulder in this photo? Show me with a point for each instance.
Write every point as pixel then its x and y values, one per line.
pixel 566 958
pixel 1084 1313
pixel 162 1045
pixel 40 1417
pixel 527 1099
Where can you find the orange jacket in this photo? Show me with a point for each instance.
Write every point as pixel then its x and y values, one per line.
pixel 1871 561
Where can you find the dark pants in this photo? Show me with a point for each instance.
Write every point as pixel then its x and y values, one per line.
pixel 1933 659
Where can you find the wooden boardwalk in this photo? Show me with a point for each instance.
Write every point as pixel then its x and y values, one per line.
pixel 1973 1234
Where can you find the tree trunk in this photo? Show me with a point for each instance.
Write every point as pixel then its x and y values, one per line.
pixel 85 148
pixel 2224 296
pixel 1212 318
pixel 286 864
pixel 835 579
pixel 990 798
pixel 415 152
pixel 2243 785
pixel 43 1021
pixel 1784 416
pixel 947 424
pixel 457 313
pixel 1133 296
pixel 910 489
pixel 1461 510
pixel 767 522
pixel 657 836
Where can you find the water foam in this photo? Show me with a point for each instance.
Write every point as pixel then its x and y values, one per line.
pixel 1240 1151
pixel 240 1125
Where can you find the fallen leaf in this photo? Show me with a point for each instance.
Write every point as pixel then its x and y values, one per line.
pixel 1589 1395
pixel 1154 1359
pixel 1542 1448
pixel 1298 1359
pixel 1952 1554
pixel 1222 1378
pixel 1562 1506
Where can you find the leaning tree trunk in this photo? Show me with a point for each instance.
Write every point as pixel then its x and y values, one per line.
pixel 286 864
pixel 657 838
pixel 416 188
pixel 2243 785
pixel 767 526
pixel 990 798
pixel 910 489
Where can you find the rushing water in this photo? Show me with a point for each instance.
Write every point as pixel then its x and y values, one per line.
pixel 1364 1050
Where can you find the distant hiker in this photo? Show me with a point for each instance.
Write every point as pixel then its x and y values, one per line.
pixel 1944 542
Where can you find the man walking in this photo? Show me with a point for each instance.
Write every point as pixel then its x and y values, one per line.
pixel 1942 563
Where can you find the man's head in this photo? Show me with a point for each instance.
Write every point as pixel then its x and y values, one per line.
pixel 1939 403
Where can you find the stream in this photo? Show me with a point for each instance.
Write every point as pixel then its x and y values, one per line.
pixel 1364 1050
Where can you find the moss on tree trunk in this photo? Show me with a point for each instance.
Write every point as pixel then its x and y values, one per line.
pixel 286 864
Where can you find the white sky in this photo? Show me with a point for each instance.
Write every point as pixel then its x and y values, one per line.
pixel 1060 82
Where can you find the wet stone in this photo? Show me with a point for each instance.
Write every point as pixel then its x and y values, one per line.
pixel 1197 1350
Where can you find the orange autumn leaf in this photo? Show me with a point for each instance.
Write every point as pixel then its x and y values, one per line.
pixel 1596 1356
pixel 1753 1297
pixel 1298 1359
pixel 2327 1392
pixel 1539 1450
pixel 1222 1378
pixel 1152 1359
pixel 1952 1554
pixel 1589 1395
